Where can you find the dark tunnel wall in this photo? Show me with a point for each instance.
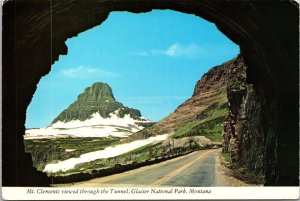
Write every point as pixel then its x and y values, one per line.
pixel 34 35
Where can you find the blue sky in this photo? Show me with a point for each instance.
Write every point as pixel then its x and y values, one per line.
pixel 152 61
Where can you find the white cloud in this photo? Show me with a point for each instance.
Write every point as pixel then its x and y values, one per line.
pixel 84 71
pixel 190 51
pixel 175 51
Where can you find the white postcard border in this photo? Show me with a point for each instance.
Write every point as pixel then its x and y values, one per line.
pixel 162 193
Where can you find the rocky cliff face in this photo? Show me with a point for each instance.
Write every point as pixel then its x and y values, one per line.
pixel 236 92
pixel 243 136
pixel 98 98
pixel 204 112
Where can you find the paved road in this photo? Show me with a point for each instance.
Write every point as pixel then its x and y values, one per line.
pixel 193 170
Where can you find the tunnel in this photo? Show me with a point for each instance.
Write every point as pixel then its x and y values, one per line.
pixel 35 32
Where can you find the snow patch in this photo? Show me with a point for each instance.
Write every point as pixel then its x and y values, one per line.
pixel 106 153
pixel 70 150
pixel 97 126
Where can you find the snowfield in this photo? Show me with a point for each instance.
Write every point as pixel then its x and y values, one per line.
pixel 106 153
pixel 97 126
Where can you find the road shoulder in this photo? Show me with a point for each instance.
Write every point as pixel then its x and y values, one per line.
pixel 223 176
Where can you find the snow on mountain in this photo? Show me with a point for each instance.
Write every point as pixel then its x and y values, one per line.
pixel 97 126
pixel 95 113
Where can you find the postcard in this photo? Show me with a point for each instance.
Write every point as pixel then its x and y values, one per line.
pixel 150 100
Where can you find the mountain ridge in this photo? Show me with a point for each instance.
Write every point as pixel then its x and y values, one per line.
pixel 204 112
pixel 98 98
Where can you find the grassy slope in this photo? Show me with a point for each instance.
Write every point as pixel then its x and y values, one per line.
pixel 46 151
pixel 208 122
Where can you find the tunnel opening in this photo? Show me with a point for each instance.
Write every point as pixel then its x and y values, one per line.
pixel 166 53
pixel 255 26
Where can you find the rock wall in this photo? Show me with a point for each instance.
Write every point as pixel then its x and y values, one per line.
pixel 250 130
pixel 243 136
pixel 34 35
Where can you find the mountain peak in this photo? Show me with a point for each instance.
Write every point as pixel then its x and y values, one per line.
pixel 97 98
pixel 96 93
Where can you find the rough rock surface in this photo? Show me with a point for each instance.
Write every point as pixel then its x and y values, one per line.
pixel 34 35
pixel 97 98
pixel 243 136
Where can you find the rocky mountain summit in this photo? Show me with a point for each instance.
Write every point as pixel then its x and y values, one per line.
pixel 95 113
pixel 97 98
